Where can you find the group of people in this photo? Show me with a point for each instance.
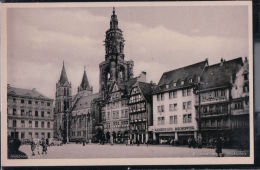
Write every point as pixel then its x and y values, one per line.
pixel 39 145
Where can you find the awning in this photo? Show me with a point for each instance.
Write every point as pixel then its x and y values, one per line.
pixel 167 134
pixel 185 134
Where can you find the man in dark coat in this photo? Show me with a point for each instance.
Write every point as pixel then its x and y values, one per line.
pixel 219 146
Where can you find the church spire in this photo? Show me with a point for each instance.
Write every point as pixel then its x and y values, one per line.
pixel 114 21
pixel 84 83
pixel 63 76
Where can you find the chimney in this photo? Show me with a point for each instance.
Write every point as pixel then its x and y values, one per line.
pixel 221 62
pixel 142 77
pixel 245 61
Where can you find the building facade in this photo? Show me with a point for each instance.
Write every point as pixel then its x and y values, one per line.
pixel 140 112
pixel 63 101
pixel 174 115
pixel 219 99
pixel 30 114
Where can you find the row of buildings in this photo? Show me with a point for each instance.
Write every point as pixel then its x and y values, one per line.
pixel 195 101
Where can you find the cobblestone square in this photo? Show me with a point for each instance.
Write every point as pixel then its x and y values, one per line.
pixel 78 151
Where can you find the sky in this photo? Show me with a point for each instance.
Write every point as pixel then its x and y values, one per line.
pixel 158 39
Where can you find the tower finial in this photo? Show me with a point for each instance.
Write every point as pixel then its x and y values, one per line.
pixel 84 67
pixel 114 10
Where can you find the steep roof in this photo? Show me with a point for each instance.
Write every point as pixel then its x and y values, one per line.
pixel 174 78
pixel 13 91
pixel 85 101
pixel 146 89
pixel 219 75
pixel 63 75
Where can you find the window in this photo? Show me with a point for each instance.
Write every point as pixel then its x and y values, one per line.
pixel 245 88
pixel 14 123
pixel 188 92
pixel 22 123
pixel 223 92
pixel 42 124
pixel 187 118
pixel 48 125
pixel 191 81
pixel 29 102
pixel 49 114
pixel 42 113
pixel 172 94
pixel 36 124
pixel 14 100
pixel 174 84
pixel 171 119
pixel 184 92
pixel 30 123
pixel 22 112
pixel 43 135
pixel 238 105
pixel 36 113
pixel 36 135
pixel 22 101
pixel 14 111
pixel 184 105
pixel 36 102
pixel 182 82
pixel 30 135
pixel 189 104
pixel 22 135
pixel 49 135
pixel 48 104
pixel 160 108
pixel 161 121
pixel 108 115
pixel 175 119
pixel 160 97
pixel 173 107
pixel 246 76
pixel 30 113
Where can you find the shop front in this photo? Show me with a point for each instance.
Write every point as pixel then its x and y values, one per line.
pixel 174 135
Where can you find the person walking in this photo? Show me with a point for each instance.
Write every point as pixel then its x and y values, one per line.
pixel 33 146
pixel 44 146
pixel 38 147
pixel 219 146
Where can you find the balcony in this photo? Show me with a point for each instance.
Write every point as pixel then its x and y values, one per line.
pixel 215 127
pixel 211 114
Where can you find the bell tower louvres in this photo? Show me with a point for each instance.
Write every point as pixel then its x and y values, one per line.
pixel 114 68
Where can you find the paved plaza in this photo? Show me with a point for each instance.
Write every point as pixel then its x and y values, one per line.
pixel 76 151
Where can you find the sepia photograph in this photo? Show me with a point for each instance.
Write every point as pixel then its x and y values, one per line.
pixel 127 83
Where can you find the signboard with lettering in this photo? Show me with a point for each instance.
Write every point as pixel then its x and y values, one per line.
pixel 170 129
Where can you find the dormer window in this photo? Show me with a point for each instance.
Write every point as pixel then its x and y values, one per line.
pixel 174 84
pixel 182 82
pixel 191 80
pixel 167 86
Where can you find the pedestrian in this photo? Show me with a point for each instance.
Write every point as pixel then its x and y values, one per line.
pixel 44 146
pixel 38 147
pixel 33 146
pixel 47 142
pixel 219 146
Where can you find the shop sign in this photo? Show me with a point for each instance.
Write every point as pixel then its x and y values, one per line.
pixel 163 129
pixel 184 128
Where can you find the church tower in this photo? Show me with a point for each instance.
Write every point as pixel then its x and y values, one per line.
pixel 63 100
pixel 114 68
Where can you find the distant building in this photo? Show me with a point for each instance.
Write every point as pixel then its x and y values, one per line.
pixel 82 119
pixel 140 111
pixel 30 114
pixel 63 99
pixel 174 115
